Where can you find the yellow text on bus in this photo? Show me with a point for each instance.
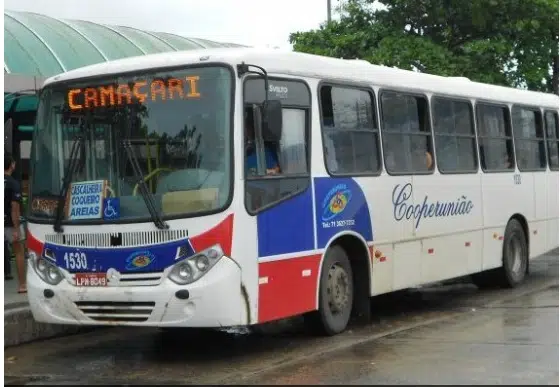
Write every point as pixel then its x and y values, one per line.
pixel 123 94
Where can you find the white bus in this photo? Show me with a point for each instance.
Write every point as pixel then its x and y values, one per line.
pixel 171 191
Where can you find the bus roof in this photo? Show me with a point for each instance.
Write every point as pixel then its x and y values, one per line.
pixel 278 62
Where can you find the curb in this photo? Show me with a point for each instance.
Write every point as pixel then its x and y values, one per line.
pixel 20 327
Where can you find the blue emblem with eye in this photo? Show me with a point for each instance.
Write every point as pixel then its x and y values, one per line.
pixel 140 260
pixel 336 201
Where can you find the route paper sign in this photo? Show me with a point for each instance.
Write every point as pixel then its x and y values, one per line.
pixel 86 200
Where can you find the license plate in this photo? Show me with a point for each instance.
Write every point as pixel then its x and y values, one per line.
pixel 91 279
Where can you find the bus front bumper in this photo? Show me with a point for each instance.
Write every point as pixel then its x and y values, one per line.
pixel 215 300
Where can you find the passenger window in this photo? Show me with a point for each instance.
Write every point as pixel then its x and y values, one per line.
pixel 351 137
pixel 407 139
pixel 454 136
pixel 529 139
pixel 285 168
pixel 551 122
pixel 494 138
pixel 286 155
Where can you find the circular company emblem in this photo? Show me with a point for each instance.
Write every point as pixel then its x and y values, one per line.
pixel 335 202
pixel 139 260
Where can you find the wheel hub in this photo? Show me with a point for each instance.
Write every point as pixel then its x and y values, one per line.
pixel 515 255
pixel 337 288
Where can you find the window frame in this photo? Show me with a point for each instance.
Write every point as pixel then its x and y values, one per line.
pixel 537 140
pixel 509 126
pixel 308 138
pixel 355 86
pixel 415 94
pixel 473 136
pixel 547 139
pixel 61 84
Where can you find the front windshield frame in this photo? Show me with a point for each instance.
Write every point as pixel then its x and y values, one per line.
pixel 139 72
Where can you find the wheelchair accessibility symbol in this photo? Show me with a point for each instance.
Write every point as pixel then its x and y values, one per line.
pixel 111 208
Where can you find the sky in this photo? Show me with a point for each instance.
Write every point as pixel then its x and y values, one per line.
pixel 264 23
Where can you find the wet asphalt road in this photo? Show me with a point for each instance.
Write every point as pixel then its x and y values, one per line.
pixel 452 334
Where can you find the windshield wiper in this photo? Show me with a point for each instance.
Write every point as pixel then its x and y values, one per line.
pixel 143 187
pixel 73 163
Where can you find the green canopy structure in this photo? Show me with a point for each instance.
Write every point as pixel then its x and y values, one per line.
pixel 37 46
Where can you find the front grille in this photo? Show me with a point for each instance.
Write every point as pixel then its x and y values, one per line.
pixel 123 239
pixel 140 279
pixel 108 311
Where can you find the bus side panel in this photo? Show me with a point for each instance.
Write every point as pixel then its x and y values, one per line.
pixel 502 198
pixel 451 236
pixel 288 261
pixel 538 225
pixel 552 210
pixel 341 206
pixel 288 287
pixel 396 264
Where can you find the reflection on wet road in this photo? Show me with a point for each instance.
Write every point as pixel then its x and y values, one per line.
pixel 439 335
pixel 505 344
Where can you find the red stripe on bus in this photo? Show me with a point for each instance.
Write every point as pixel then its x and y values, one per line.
pixel 285 291
pixel 221 234
pixel 33 243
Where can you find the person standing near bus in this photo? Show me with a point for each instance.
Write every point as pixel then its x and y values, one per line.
pixel 13 229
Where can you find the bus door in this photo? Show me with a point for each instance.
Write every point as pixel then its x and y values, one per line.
pixel 278 195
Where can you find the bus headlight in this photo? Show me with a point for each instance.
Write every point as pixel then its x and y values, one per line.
pixel 192 269
pixel 45 269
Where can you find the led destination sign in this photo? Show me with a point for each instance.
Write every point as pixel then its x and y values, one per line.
pixel 140 90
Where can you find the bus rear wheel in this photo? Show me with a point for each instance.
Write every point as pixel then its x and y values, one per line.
pixel 515 260
pixel 515 255
pixel 336 294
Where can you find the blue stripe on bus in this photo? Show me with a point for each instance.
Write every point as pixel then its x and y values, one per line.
pixel 340 205
pixel 139 259
pixel 287 227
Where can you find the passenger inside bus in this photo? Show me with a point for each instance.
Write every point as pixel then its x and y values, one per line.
pixel 429 160
pixel 271 156
pixel 507 162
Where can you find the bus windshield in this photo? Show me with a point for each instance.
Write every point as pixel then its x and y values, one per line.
pixel 177 125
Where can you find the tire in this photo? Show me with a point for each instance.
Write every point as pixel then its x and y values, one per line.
pixel 333 314
pixel 515 255
pixel 515 260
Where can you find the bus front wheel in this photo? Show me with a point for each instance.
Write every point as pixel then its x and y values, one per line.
pixel 336 294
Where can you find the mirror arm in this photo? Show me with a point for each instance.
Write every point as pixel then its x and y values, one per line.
pixel 243 68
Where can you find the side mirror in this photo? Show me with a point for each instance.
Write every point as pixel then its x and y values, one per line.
pixel 272 120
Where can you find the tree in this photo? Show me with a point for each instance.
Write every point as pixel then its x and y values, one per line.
pixel 505 42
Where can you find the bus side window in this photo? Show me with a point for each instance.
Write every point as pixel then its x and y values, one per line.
pixel 455 139
pixel 529 139
pixel 407 137
pixel 495 138
pixel 551 121
pixel 350 133
pixel 286 160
